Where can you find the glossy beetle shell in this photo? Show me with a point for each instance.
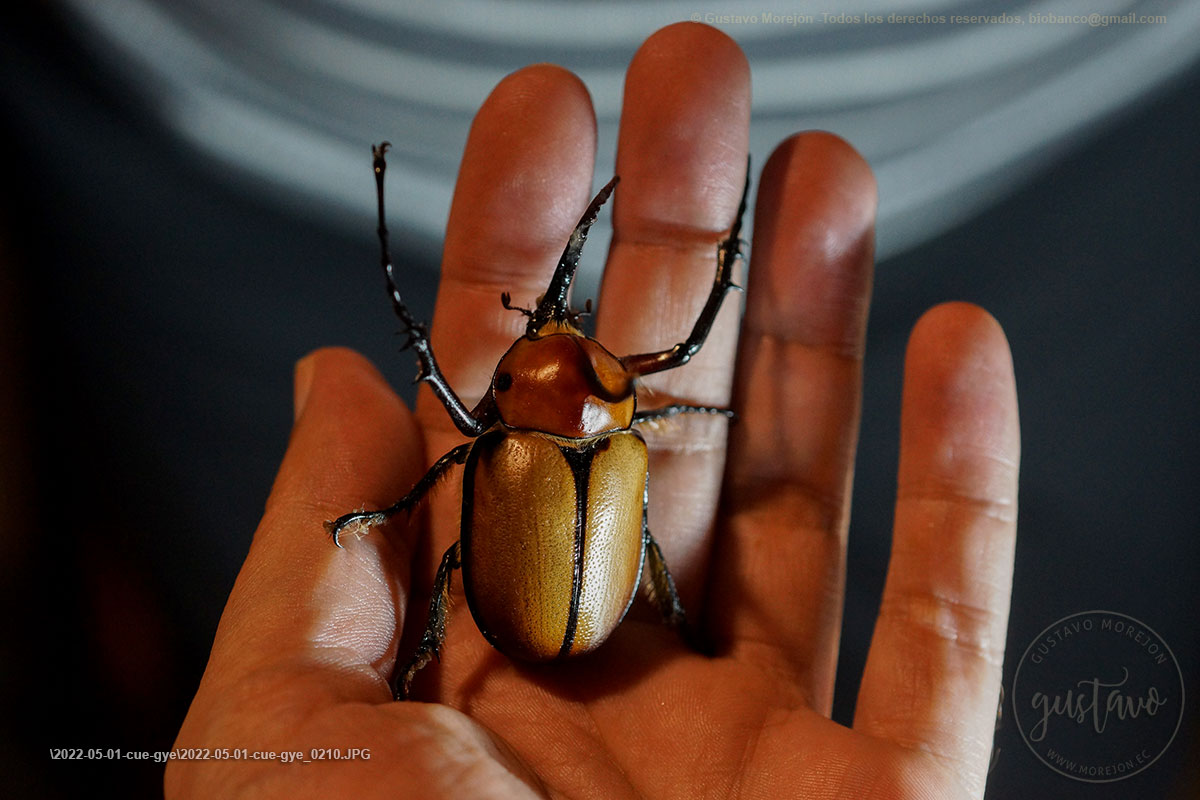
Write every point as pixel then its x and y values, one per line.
pixel 552 544
pixel 564 384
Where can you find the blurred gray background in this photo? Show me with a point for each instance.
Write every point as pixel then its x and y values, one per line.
pixel 189 210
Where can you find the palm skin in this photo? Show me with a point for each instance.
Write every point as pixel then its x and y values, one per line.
pixel 752 517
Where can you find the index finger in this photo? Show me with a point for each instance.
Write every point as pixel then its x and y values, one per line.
pixel 525 178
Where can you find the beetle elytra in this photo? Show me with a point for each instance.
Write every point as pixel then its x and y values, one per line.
pixel 554 537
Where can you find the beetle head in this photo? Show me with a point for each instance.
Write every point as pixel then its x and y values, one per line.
pixel 553 313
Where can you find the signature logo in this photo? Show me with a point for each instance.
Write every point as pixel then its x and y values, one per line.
pixel 1098 696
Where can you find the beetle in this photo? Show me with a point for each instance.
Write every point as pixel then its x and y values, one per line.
pixel 554 535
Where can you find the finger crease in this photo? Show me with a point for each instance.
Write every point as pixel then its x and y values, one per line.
pixel 663 235
pixel 824 511
pixel 1000 509
pixel 965 626
pixel 845 350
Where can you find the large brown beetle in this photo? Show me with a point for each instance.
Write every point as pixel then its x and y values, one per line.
pixel 554 535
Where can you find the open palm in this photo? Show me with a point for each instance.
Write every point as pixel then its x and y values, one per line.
pixel 752 517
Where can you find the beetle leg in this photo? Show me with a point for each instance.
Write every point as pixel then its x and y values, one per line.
pixel 728 252
pixel 362 520
pixel 435 628
pixel 661 589
pixel 470 423
pixel 662 593
pixel 655 414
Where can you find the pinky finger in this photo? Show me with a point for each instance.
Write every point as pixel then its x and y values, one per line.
pixel 933 673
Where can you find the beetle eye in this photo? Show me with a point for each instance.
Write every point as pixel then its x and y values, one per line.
pixel 503 382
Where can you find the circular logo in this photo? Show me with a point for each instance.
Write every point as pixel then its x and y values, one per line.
pixel 1098 696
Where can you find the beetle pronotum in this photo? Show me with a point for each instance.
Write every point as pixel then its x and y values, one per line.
pixel 555 486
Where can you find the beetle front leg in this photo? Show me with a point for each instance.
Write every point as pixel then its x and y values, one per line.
pixel 469 422
pixel 362 520
pixel 728 253
pixel 435 627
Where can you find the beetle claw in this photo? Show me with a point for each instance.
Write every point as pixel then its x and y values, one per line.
pixel 358 523
pixel 334 531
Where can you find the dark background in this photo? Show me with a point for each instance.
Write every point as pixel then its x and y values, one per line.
pixel 152 309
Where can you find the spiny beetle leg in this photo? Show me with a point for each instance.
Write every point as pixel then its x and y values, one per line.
pixel 728 252
pixel 662 593
pixel 435 628
pixel 655 414
pixel 467 422
pixel 661 589
pixel 368 519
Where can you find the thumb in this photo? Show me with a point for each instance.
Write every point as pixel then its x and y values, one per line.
pixel 300 604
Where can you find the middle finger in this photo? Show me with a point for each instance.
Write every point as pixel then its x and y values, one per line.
pixel 682 162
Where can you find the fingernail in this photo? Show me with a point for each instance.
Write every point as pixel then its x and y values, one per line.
pixel 301 385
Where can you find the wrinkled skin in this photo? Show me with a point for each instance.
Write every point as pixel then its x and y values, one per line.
pixel 752 517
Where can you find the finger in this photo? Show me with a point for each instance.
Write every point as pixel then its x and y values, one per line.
pixel 682 163
pixel 777 599
pixel 303 612
pixel 932 678
pixel 525 179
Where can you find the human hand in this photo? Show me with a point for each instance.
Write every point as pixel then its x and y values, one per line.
pixel 755 533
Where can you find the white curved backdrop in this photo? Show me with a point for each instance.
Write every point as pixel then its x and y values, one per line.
pixel 951 113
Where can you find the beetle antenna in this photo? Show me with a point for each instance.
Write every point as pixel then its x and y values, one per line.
pixel 506 301
pixel 553 305
pixel 577 314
